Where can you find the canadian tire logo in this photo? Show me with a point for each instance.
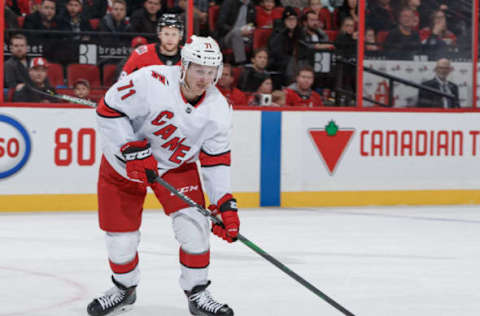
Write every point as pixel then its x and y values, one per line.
pixel 331 143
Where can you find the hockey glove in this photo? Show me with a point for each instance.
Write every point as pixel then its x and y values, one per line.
pixel 229 213
pixel 141 165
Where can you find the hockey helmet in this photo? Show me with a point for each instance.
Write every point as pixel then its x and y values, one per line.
pixel 170 20
pixel 202 51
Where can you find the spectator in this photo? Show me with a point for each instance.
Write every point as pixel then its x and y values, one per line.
pixel 371 47
pixel 346 44
pixel 16 67
pixel 346 41
pixel 437 40
pixel 440 82
pixel 349 9
pixel 170 31
pixel 282 46
pixel 225 85
pixel 300 93
pixel 235 26
pixel 252 76
pixel 370 40
pixel 403 42
pixel 145 20
pixel 327 19
pixel 73 21
pixel 81 89
pixel 313 40
pixel 381 16
pixel 263 93
pixel 116 22
pixel 265 14
pixel 44 19
pixel 414 6
pixel 38 83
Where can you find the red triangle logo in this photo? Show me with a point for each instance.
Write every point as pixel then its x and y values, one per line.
pixel 331 147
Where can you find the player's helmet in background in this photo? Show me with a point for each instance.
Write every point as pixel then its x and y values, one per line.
pixel 170 20
pixel 202 51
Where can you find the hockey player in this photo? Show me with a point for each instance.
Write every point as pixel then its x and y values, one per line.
pixel 166 52
pixel 158 121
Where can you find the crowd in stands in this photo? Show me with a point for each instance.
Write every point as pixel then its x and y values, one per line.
pixel 276 52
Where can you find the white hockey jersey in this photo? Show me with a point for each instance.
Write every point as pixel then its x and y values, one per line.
pixel 148 104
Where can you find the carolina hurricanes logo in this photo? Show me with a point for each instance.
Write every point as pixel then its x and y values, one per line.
pixel 331 143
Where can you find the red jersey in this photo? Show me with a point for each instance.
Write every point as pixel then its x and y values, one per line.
pixel 147 55
pixel 234 96
pixel 293 98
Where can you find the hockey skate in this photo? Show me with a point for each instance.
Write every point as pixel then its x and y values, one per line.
pixel 116 300
pixel 201 303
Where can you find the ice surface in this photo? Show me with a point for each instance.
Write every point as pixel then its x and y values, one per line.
pixel 395 261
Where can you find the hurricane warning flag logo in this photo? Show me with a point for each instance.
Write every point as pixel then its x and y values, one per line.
pixel 331 143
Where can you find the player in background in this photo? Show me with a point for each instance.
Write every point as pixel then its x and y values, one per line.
pixel 158 121
pixel 166 52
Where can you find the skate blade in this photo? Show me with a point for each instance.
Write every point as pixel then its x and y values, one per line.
pixel 121 310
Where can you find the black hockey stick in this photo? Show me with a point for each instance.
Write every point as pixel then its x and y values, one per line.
pixel 64 97
pixel 257 249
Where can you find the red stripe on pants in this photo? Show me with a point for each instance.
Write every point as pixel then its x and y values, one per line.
pixel 195 261
pixel 126 267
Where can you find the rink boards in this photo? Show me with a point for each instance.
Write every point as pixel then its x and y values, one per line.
pixel 49 158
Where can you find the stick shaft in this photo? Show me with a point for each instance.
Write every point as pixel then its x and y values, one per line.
pixel 257 249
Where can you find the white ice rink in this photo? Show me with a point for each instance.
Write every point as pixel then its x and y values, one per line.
pixel 415 261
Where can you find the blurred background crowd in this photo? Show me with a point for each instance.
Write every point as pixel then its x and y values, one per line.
pixel 276 52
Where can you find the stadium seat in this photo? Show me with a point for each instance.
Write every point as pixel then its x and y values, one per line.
pixel 109 74
pixel 213 12
pixel 9 96
pixel 83 71
pixel 332 35
pixel 236 73
pixel 381 37
pixel 20 21
pixel 260 38
pixel 55 75
pixel 94 23
pixel 277 12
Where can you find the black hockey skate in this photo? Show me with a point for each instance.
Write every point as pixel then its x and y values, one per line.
pixel 201 303
pixel 118 299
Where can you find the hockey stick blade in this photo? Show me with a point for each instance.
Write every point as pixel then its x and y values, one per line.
pixel 256 248
pixel 65 97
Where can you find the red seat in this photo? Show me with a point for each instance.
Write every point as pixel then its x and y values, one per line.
pixel 10 93
pixel 213 12
pixel 20 20
pixel 332 35
pixel 277 12
pixel 94 23
pixel 55 74
pixel 381 36
pixel 83 71
pixel 236 73
pixel 109 75
pixel 260 38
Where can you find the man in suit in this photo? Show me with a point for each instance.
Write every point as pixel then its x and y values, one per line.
pixel 428 99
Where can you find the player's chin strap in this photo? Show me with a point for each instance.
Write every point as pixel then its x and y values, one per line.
pixel 252 246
